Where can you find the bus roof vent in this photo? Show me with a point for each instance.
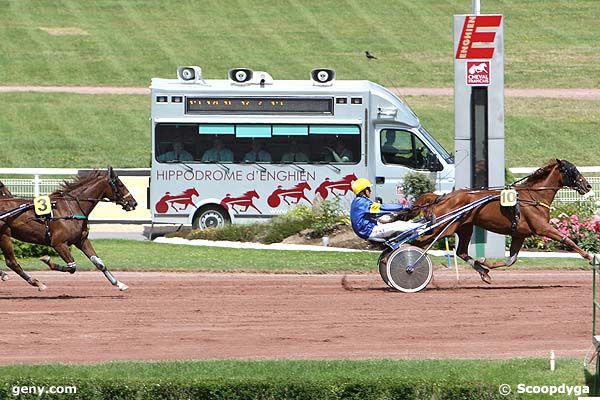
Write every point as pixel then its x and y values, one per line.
pixel 245 76
pixel 322 76
pixel 191 74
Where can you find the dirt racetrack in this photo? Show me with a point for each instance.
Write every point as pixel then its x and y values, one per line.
pixel 167 316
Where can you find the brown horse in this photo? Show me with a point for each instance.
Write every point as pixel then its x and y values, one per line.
pixel 531 217
pixel 72 203
pixel 4 192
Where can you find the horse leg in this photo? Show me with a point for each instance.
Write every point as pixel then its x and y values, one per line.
pixel 11 262
pixel 3 276
pixel 552 233
pixel 515 247
pixel 63 251
pixel 86 247
pixel 464 237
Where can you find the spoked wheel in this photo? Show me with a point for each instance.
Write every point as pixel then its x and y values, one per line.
pixel 408 269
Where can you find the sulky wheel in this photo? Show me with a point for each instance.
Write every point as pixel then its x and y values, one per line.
pixel 382 263
pixel 408 269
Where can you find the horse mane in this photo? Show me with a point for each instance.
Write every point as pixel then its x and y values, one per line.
pixel 541 173
pixel 79 181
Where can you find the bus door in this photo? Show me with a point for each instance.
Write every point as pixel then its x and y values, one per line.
pixel 398 151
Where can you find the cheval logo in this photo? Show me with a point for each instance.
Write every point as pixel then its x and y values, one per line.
pixel 177 202
pixel 477 38
pixel 478 72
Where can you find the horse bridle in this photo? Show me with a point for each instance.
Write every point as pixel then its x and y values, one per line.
pixel 119 198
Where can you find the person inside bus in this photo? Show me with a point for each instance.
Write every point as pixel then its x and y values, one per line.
pixel 338 153
pixel 364 214
pixel 388 150
pixel 257 154
pixel 294 155
pixel 218 153
pixel 177 154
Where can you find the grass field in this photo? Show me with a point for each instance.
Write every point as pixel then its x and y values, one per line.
pixel 125 255
pixel 528 371
pixel 549 43
pixel 75 130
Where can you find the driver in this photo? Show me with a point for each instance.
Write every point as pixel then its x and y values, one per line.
pixel 364 214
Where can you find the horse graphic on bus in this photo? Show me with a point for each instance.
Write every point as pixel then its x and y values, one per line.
pixel 294 193
pixel 183 199
pixel 246 200
pixel 343 186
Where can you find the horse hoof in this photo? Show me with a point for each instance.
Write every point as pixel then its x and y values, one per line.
pixel 39 285
pixel 4 277
pixel 485 277
pixel 45 259
pixel 122 287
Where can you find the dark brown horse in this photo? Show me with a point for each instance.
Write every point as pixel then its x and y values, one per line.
pixel 4 192
pixel 531 217
pixel 72 203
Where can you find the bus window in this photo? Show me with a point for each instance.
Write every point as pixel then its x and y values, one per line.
pixel 403 148
pixel 335 143
pixel 247 143
pixel 175 143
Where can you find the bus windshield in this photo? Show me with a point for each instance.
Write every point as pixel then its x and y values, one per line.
pixel 257 143
pixel 438 147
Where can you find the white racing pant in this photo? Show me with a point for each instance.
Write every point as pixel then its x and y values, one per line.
pixel 383 231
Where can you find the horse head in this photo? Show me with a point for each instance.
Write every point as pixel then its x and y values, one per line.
pixel 251 193
pixel 120 193
pixel 572 178
pixel 191 192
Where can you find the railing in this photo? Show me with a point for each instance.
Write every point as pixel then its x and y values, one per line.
pixel 31 182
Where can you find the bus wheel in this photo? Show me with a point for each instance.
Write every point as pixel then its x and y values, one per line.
pixel 210 217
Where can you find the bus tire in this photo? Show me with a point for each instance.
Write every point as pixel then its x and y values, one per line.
pixel 210 217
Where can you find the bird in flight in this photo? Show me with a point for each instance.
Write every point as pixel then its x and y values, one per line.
pixel 370 56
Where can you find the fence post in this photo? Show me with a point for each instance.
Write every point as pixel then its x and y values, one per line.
pixel 36 185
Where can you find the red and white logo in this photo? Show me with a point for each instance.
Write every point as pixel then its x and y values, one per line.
pixel 477 37
pixel 478 72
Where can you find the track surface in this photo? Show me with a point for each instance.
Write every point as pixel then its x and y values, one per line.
pixel 166 316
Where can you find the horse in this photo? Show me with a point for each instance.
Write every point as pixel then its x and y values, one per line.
pixel 246 200
pixel 184 199
pixel 530 217
pixel 296 192
pixel 72 204
pixel 4 192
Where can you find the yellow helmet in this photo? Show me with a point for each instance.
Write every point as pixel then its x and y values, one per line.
pixel 360 184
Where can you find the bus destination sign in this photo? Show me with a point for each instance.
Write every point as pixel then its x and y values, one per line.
pixel 259 105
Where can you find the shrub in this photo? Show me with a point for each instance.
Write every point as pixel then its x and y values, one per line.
pixel 24 250
pixel 585 232
pixel 416 184
pixel 321 219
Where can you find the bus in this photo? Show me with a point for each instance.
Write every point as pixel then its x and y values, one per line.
pixel 250 147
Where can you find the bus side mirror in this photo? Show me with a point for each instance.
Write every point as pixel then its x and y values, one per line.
pixel 434 164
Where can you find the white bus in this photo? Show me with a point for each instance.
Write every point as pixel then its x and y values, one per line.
pixel 251 147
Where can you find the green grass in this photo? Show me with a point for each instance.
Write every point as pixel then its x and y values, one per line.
pixel 125 255
pixel 549 43
pixel 494 372
pixel 75 130
pixel 501 371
